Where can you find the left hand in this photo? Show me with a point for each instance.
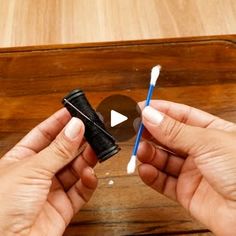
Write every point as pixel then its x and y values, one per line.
pixel 45 179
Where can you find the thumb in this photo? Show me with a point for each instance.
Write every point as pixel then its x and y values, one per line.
pixel 212 149
pixel 171 133
pixel 63 149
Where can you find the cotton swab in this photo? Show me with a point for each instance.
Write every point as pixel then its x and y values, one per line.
pixel 154 76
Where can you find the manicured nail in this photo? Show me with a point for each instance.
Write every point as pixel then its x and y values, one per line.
pixel 152 115
pixel 73 128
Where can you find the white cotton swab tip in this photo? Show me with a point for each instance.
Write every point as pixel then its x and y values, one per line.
pixel 155 74
pixel 131 165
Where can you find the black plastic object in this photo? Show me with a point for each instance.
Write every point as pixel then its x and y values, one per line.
pixel 102 142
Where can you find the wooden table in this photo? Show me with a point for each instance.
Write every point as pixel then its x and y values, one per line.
pixel 43 22
pixel 200 72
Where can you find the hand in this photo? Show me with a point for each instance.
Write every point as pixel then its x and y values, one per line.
pixel 199 172
pixel 45 179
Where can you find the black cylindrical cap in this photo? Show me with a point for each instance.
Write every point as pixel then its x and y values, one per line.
pixel 103 144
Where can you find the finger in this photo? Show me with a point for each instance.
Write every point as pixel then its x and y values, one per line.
pixel 41 136
pixel 72 172
pixel 158 180
pixel 136 124
pixel 62 150
pixel 160 159
pixel 146 134
pixel 83 189
pixel 176 136
pixel 68 203
pixel 211 148
pixel 189 115
pixel 58 201
pixel 46 131
pixel 88 158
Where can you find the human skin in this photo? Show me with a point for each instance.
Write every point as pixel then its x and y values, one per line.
pixel 199 170
pixel 46 178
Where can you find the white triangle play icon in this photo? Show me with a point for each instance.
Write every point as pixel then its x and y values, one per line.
pixel 117 118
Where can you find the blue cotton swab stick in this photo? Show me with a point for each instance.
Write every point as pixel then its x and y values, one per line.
pixel 154 76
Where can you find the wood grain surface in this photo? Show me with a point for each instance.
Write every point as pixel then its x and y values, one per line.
pixel 199 72
pixel 40 22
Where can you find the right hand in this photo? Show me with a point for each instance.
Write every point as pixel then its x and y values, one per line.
pixel 201 174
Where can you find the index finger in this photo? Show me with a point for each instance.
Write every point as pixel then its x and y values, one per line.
pixel 190 115
pixel 40 136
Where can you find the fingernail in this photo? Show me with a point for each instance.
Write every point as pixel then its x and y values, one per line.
pixel 136 123
pixel 100 116
pixel 91 170
pixel 138 108
pixel 73 128
pixel 140 147
pixel 152 115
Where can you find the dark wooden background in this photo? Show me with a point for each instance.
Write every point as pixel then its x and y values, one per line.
pixel 200 72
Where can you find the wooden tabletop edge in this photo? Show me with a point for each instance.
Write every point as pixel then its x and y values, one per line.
pixel 111 44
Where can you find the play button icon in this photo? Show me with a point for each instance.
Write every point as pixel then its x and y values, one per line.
pixel 118 113
pixel 117 118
